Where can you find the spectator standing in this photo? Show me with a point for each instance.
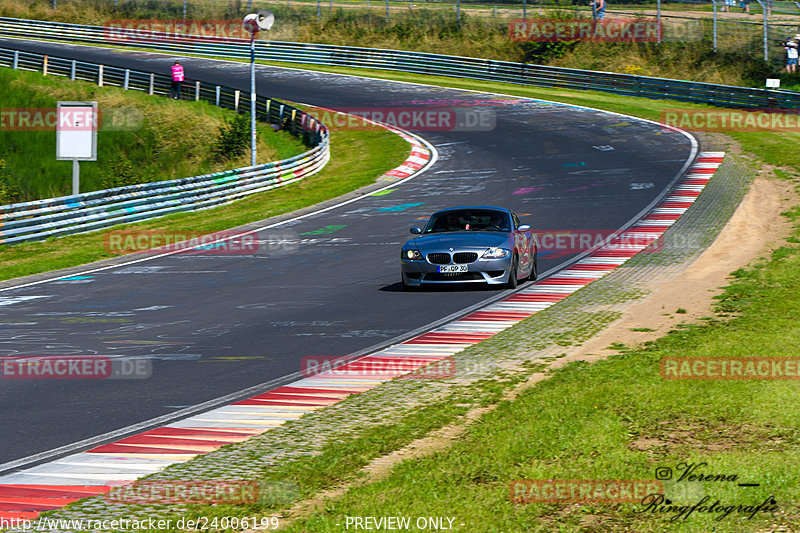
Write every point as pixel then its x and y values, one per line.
pixel 599 9
pixel 177 80
pixel 791 56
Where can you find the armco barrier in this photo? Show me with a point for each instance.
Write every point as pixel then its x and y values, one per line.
pixel 53 217
pixel 414 62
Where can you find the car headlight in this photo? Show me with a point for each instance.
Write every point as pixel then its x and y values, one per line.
pixel 495 253
pixel 411 255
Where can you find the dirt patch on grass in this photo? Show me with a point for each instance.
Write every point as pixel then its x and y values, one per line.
pixel 756 228
pixel 672 436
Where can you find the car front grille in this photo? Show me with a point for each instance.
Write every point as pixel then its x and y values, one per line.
pixel 465 257
pixel 460 276
pixel 439 258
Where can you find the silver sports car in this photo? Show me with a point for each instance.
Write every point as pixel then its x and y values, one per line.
pixel 480 244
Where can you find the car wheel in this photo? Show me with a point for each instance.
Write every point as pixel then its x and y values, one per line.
pixel 534 270
pixel 512 275
pixel 406 286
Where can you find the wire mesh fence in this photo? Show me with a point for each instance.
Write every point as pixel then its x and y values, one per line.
pixel 749 26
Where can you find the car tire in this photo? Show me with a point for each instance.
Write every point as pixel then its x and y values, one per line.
pixel 512 274
pixel 535 269
pixel 406 286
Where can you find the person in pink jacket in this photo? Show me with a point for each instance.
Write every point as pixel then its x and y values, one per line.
pixel 177 80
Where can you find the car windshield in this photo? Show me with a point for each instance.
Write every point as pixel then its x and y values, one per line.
pixel 468 220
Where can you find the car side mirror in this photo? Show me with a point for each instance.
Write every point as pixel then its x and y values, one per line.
pixel 416 231
pixel 524 227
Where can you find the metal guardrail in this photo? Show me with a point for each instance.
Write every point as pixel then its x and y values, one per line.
pixel 413 62
pixel 53 217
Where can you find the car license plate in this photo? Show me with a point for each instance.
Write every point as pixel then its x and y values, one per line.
pixel 452 268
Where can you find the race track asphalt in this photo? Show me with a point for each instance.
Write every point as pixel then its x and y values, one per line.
pixel 215 324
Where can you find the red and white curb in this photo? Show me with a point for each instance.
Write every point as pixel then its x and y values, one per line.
pixel 419 157
pixel 27 493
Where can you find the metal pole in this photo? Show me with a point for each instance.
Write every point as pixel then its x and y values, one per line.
pixel 319 9
pixel 76 177
pixel 524 9
pixel 458 10
pixel 387 10
pixel 184 9
pixel 658 19
pixel 253 100
pixel 714 38
pixel 766 31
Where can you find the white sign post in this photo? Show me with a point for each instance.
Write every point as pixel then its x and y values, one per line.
pixel 76 136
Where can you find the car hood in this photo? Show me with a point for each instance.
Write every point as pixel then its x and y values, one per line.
pixel 459 240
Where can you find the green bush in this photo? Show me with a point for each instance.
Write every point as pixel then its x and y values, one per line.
pixel 233 138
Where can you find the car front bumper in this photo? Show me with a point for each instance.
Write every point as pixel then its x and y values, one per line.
pixel 491 272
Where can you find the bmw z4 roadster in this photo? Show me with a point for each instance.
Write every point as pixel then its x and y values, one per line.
pixel 480 244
